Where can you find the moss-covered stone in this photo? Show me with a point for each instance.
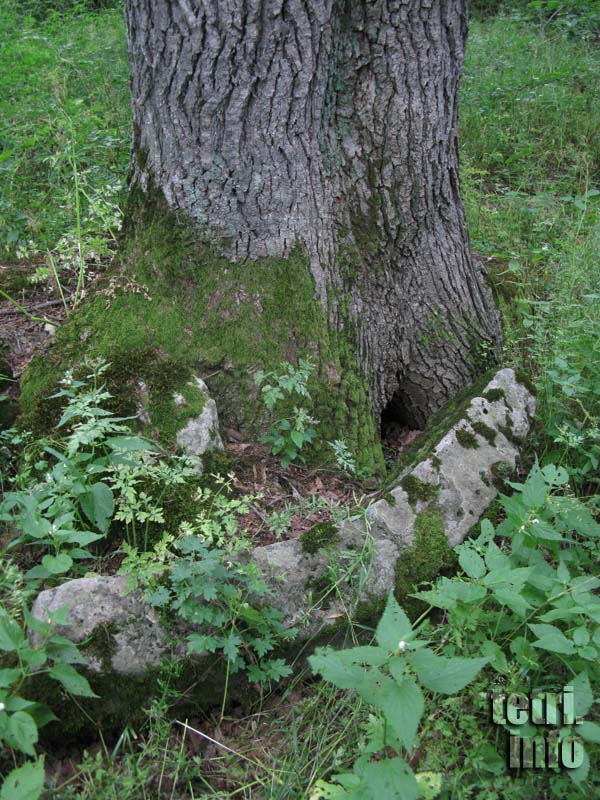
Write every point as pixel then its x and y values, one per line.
pixel 176 308
pixel 484 430
pixel 493 395
pixel 389 499
pixel 525 380
pixel 466 439
pixel 417 489
pixel 322 535
pixel 439 424
pixel 510 435
pixel 501 472
pixel 101 645
pixel 320 591
pixel 429 555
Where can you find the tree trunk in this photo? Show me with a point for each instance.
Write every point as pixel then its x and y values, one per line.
pixel 327 128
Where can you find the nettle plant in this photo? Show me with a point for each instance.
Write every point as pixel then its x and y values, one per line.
pixel 288 434
pixel 391 676
pixel 526 606
pixel 22 659
pixel 202 578
pixel 63 499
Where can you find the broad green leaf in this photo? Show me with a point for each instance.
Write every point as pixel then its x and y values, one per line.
pixel 8 677
pixel 24 783
pixel 590 731
pixel 515 601
pixel 495 653
pixel 544 530
pixel 581 637
pixel 394 626
pixel 202 643
pixel 343 668
pixel 495 559
pixel 129 443
pixel 35 526
pixel 583 696
pixel 472 563
pixel 555 476
pixel 430 784
pixel 579 775
pixel 390 778
pixel 524 652
pixel 552 639
pixel 403 706
pixel 445 675
pixel 98 505
pixel 41 714
pixel 231 646
pixel 535 489
pixel 33 657
pixel 73 682
pixel 56 565
pixel 11 635
pixel 81 538
pixel 23 732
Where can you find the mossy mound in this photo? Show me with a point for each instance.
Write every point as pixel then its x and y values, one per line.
pixel 417 489
pixel 429 556
pixel 175 308
pixel 324 534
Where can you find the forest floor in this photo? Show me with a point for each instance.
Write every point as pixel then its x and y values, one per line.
pixel 530 150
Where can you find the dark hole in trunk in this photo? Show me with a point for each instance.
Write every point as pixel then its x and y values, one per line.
pixel 396 421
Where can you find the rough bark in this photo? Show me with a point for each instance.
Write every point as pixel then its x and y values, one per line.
pixel 331 124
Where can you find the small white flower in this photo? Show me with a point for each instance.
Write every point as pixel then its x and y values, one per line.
pixel 535 521
pixel 402 645
pixel 1 706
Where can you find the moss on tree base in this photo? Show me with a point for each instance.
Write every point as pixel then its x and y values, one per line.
pixel 174 307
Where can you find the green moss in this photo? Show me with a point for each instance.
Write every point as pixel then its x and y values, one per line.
pixel 436 463
pixel 418 490
pixel 501 472
pixel 368 612
pixel 101 645
pixel 428 556
pixel 466 439
pixel 178 309
pixel 389 499
pixel 524 379
pixel 493 395
pixel 510 435
pixel 324 534
pixel 484 430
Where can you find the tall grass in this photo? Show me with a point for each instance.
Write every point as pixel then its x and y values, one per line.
pixel 64 135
